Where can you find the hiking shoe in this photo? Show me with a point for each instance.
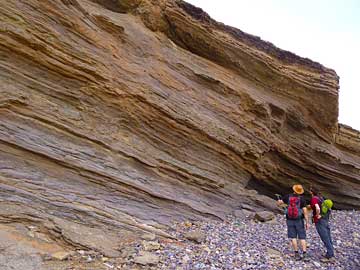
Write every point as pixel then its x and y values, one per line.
pixel 297 256
pixel 305 257
pixel 327 259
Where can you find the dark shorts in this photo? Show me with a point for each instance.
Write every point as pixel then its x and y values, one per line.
pixel 296 228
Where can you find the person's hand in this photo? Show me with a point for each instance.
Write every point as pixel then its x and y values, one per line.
pixel 307 225
pixel 279 202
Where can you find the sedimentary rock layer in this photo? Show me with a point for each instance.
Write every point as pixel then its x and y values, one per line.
pixel 120 116
pixel 348 138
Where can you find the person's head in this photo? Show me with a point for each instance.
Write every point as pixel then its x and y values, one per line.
pixel 314 191
pixel 298 189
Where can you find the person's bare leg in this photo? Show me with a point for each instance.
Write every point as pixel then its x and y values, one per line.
pixel 294 244
pixel 295 247
pixel 305 257
pixel 303 244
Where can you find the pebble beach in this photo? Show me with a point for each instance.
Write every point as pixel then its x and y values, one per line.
pixel 246 244
pixel 236 243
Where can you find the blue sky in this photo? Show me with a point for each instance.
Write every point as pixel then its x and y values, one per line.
pixel 326 31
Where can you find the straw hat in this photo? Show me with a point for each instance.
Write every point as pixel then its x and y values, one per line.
pixel 298 189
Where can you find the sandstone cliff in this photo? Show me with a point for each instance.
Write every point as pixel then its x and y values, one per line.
pixel 121 116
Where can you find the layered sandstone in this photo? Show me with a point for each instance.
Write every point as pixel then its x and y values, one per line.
pixel 348 138
pixel 120 116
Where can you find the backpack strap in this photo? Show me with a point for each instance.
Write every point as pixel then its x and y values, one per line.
pixel 320 200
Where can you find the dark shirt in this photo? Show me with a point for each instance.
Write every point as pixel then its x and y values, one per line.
pixel 285 199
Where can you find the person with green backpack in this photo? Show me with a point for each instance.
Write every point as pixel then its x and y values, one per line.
pixel 321 214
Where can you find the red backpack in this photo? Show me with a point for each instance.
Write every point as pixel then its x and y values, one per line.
pixel 294 211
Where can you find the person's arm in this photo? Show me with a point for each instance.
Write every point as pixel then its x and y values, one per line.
pixel 306 215
pixel 279 202
pixel 305 211
pixel 283 200
pixel 317 210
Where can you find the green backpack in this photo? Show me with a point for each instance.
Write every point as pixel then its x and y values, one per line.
pixel 326 205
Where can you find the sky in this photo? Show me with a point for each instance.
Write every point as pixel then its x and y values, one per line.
pixel 326 31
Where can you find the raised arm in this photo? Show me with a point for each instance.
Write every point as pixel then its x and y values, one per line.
pixel 279 202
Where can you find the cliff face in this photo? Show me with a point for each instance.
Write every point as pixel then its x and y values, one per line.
pixel 348 139
pixel 121 116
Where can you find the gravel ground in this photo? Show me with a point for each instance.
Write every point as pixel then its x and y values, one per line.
pixel 246 244
pixel 236 243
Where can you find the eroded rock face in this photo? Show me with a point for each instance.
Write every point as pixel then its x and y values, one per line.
pixel 348 139
pixel 120 116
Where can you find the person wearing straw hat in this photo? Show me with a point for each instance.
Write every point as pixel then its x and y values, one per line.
pixel 296 212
